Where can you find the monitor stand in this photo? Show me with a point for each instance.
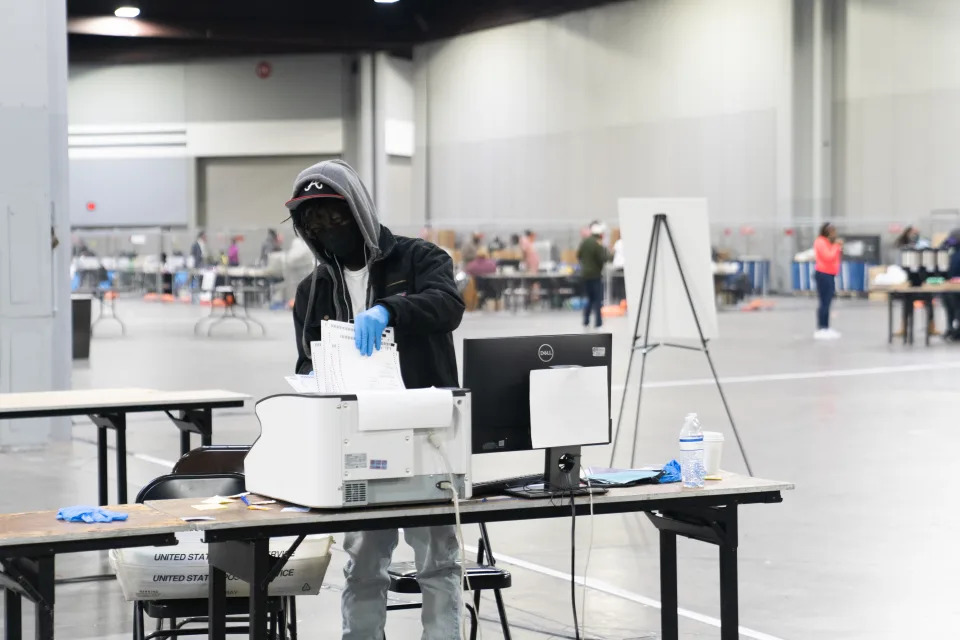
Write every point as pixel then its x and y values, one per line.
pixel 561 473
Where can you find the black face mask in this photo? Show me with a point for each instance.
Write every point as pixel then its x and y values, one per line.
pixel 343 242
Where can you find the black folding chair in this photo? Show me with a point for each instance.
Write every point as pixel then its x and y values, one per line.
pixel 180 613
pixel 218 458
pixel 480 577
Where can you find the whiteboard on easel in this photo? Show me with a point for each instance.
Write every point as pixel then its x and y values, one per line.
pixel 672 318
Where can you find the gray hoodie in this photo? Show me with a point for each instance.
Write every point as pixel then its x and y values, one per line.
pixel 341 177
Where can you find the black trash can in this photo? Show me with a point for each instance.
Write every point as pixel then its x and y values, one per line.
pixel 81 307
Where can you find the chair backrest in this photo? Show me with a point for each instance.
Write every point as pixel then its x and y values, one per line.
pixel 212 459
pixel 171 486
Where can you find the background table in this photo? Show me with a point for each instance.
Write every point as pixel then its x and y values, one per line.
pixel 907 294
pixel 518 286
pixel 108 409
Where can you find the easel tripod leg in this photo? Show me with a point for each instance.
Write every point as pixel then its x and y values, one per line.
pixel 654 236
pixel 703 342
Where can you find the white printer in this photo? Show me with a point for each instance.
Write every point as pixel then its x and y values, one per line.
pixel 369 448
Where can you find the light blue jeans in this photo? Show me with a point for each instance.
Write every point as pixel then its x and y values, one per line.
pixel 364 600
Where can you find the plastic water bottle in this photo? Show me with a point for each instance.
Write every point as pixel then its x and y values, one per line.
pixel 691 452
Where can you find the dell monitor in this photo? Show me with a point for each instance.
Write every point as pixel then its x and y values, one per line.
pixel 498 372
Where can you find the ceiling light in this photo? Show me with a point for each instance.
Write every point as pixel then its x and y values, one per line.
pixel 127 12
pixel 384 1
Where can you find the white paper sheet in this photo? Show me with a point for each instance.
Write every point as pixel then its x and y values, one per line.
pixel 340 368
pixel 568 407
pixel 405 409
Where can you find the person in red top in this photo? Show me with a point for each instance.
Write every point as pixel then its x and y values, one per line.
pixel 828 250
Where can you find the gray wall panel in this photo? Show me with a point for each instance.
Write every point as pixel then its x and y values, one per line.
pixel 244 193
pixel 299 87
pixel 560 178
pixel 127 94
pixel 130 191
pixel 552 121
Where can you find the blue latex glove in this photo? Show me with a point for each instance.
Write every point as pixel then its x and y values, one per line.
pixel 671 472
pixel 89 514
pixel 368 328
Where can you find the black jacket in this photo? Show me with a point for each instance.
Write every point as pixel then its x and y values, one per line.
pixel 413 279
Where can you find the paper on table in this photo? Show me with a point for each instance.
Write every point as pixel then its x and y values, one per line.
pixel 569 406
pixel 405 409
pixel 209 507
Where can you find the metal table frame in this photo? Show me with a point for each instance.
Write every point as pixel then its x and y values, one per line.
pixel 243 551
pixel 28 572
pixel 189 417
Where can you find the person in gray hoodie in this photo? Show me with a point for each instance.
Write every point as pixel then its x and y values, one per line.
pixel 375 279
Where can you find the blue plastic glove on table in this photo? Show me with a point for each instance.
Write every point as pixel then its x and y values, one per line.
pixel 368 328
pixel 671 472
pixel 89 514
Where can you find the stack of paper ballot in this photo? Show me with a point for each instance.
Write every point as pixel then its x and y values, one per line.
pixel 339 367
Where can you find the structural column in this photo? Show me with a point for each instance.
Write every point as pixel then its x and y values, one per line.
pixel 35 348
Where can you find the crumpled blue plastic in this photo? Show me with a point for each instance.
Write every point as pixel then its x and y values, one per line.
pixel 89 514
pixel 671 472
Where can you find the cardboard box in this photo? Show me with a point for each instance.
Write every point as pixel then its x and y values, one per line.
pixel 182 572
pixel 872 274
pixel 446 238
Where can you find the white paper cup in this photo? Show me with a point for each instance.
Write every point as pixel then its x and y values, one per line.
pixel 712 452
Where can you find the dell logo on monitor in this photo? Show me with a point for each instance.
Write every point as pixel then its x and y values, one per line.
pixel 545 352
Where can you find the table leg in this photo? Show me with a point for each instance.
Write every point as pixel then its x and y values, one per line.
pixel 248 560
pixel 13 615
pixel 669 622
pixel 120 424
pixel 729 595
pixel 184 442
pixel 906 312
pixel 260 564
pixel 889 318
pixel 218 604
pixel 206 435
pixel 102 464
pixel 45 587
pixel 928 312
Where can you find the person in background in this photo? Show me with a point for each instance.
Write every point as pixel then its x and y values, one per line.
pixel 496 245
pixel 481 265
pixel 908 238
pixel 233 253
pixel 530 256
pixel 951 301
pixel 376 279
pixel 618 282
pixel 593 256
pixel 271 244
pixel 198 251
pixel 828 251
pixel 470 249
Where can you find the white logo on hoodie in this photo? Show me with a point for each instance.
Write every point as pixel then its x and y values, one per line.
pixel 318 185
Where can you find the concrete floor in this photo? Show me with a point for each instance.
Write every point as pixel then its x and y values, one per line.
pixel 863 549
